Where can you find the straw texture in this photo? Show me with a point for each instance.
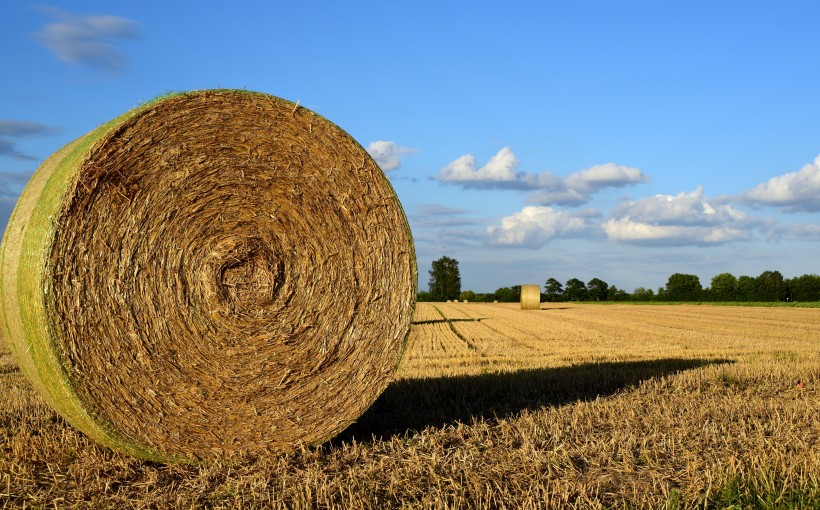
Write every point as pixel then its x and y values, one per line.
pixel 530 297
pixel 213 273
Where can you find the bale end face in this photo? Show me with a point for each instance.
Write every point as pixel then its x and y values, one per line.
pixel 213 273
pixel 530 297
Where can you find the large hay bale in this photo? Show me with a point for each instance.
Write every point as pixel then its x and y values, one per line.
pixel 212 273
pixel 530 297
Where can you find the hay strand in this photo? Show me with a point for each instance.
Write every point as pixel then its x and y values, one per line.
pixel 213 273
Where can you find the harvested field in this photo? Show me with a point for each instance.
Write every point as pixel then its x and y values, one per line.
pixel 585 406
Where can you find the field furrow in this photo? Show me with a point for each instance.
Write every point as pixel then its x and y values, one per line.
pixel 425 312
pixel 454 310
pixel 490 343
pixel 435 345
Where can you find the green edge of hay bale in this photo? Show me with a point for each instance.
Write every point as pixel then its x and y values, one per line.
pixel 26 245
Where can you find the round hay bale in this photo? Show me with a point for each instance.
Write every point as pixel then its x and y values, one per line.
pixel 530 297
pixel 213 273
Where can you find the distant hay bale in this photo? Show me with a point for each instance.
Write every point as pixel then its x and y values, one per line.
pixel 212 273
pixel 530 297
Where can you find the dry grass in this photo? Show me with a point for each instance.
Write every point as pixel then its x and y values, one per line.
pixel 583 406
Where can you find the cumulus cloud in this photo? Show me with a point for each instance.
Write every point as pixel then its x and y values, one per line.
pixel 388 154
pixel 12 129
pixel 792 192
pixel 500 173
pixel 533 227
pixel 627 230
pixel 89 40
pixel 683 219
pixel 498 170
pixel 578 187
pixel 609 175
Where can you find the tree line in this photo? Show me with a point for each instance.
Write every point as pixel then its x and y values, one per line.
pixel 768 286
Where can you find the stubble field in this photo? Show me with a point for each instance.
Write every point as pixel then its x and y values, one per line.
pixel 587 406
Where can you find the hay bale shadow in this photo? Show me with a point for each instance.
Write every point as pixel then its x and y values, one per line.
pixel 411 405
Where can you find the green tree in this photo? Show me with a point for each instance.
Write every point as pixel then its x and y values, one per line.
pixel 597 289
pixel 770 286
pixel 553 290
pixel 745 288
pixel 724 287
pixel 683 287
pixel 467 295
pixel 616 294
pixel 445 279
pixel 643 294
pixel 575 290
pixel 804 288
pixel 508 294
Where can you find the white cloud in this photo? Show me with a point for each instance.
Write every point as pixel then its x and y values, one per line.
pixel 533 227
pixel 88 40
pixel 627 230
pixel 388 154
pixel 575 189
pixel 685 208
pixel 794 191
pixel 608 175
pixel 578 187
pixel 682 219
pixel 499 169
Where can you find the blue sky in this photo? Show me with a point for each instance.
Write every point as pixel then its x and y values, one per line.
pixel 620 140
